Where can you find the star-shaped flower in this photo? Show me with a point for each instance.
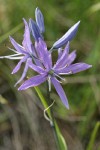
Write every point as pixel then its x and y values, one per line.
pixel 24 53
pixel 52 73
pixel 38 58
pixel 27 52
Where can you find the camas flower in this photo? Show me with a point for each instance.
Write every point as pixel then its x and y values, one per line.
pixel 52 73
pixel 38 58
pixel 27 51
pixel 24 53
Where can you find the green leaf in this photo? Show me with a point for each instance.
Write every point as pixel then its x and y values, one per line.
pixel 62 142
pixel 93 136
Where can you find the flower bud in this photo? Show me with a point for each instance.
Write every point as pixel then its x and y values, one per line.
pixel 35 30
pixel 68 36
pixel 39 19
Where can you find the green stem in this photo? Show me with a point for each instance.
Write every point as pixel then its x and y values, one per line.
pixel 43 101
pixel 60 141
pixel 52 123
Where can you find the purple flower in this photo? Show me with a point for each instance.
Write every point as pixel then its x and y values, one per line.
pixel 52 73
pixel 24 53
pixel 38 58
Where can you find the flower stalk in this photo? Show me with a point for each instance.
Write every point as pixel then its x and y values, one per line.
pixel 52 119
pixel 60 142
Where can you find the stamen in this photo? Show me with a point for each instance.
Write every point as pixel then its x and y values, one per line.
pixel 49 83
pixel 12 50
pixel 70 72
pixel 58 80
pixel 10 57
pixel 64 66
pixel 59 76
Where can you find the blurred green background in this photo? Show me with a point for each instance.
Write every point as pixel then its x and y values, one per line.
pixel 22 124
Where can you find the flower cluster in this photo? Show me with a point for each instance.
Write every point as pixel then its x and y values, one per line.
pixel 39 58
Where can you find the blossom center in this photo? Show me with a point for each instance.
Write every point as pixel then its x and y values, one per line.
pixel 51 72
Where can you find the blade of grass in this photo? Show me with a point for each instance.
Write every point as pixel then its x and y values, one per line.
pixel 93 136
pixel 5 36
pixel 62 142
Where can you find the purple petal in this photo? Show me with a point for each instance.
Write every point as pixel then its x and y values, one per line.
pixel 60 92
pixel 35 30
pixel 24 73
pixel 19 64
pixel 34 81
pixel 43 53
pixel 68 36
pixel 60 62
pixel 68 60
pixel 71 57
pixel 17 46
pixel 74 68
pixel 36 68
pixel 27 41
pixel 34 52
pixel 39 20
